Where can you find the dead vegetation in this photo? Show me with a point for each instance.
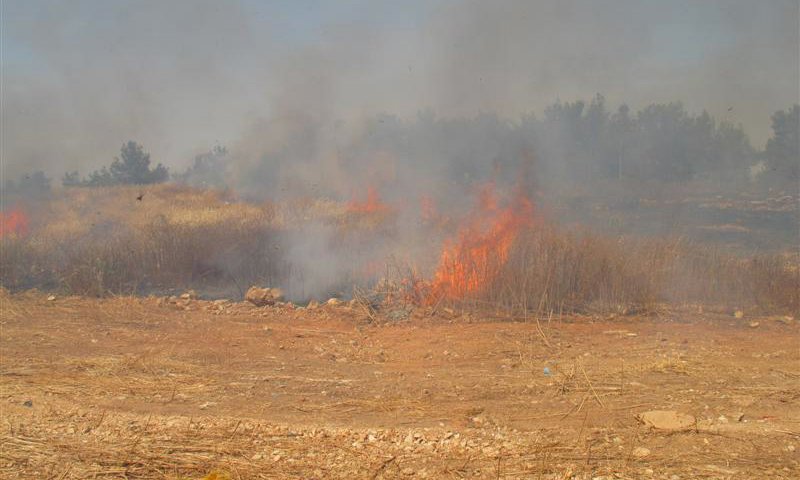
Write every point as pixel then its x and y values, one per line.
pixel 150 389
pixel 555 271
pixel 104 241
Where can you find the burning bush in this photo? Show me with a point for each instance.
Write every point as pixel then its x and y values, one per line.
pixel 503 256
pixel 13 222
pixel 473 260
pixel 547 269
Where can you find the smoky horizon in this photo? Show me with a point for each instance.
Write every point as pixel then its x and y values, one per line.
pixel 301 83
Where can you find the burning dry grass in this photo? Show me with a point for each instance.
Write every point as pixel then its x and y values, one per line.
pixel 549 270
pixel 104 240
pixel 100 241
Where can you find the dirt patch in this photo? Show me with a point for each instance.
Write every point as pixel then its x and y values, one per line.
pixel 142 388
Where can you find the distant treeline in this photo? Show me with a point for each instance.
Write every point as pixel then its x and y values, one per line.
pixel 576 141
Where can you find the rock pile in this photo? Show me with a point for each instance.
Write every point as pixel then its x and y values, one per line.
pixel 262 297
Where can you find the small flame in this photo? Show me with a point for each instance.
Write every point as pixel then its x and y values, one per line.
pixel 13 222
pixel 372 205
pixel 469 263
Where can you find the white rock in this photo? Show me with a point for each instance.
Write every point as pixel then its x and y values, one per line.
pixel 641 452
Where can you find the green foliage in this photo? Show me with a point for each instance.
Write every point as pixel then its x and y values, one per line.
pixel 29 185
pixel 782 151
pixel 662 141
pixel 132 167
pixel 208 169
pixel 71 179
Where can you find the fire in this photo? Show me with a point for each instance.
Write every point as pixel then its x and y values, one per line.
pixel 373 204
pixel 13 222
pixel 482 245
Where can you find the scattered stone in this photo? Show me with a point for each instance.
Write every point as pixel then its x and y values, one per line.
pixel 667 420
pixel 51 298
pixel 262 297
pixel 754 324
pixel 641 452
pixel 189 295
pixel 28 403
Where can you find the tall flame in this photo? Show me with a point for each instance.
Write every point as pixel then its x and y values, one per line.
pixel 482 245
pixel 13 222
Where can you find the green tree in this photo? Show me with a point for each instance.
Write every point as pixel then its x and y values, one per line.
pixel 783 151
pixel 132 167
pixel 71 179
pixel 208 170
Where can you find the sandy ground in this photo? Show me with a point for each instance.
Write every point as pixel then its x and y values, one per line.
pixel 139 388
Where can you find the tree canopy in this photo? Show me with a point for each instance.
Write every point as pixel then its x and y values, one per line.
pixel 132 167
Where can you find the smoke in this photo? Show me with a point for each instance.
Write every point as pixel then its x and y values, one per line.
pixel 81 78
pixel 426 100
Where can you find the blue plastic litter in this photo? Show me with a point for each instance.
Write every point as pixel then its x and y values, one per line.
pixel 547 371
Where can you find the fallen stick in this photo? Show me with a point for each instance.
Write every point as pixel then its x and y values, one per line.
pixel 541 332
pixel 383 466
pixel 597 397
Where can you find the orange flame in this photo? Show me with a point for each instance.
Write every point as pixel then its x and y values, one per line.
pixel 13 222
pixel 468 264
pixel 373 204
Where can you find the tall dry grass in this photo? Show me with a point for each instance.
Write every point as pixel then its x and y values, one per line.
pixel 103 241
pixel 553 270
pixel 100 241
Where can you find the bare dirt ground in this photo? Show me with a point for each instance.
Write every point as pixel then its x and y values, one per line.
pixel 138 388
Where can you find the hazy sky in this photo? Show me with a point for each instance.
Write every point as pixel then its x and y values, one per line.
pixel 80 77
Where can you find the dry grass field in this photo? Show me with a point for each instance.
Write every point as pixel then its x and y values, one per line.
pixel 508 348
pixel 151 389
pixel 101 241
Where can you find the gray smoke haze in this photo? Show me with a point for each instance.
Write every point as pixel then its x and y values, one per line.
pixel 423 101
pixel 82 77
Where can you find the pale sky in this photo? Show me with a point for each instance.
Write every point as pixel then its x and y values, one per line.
pixel 81 77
